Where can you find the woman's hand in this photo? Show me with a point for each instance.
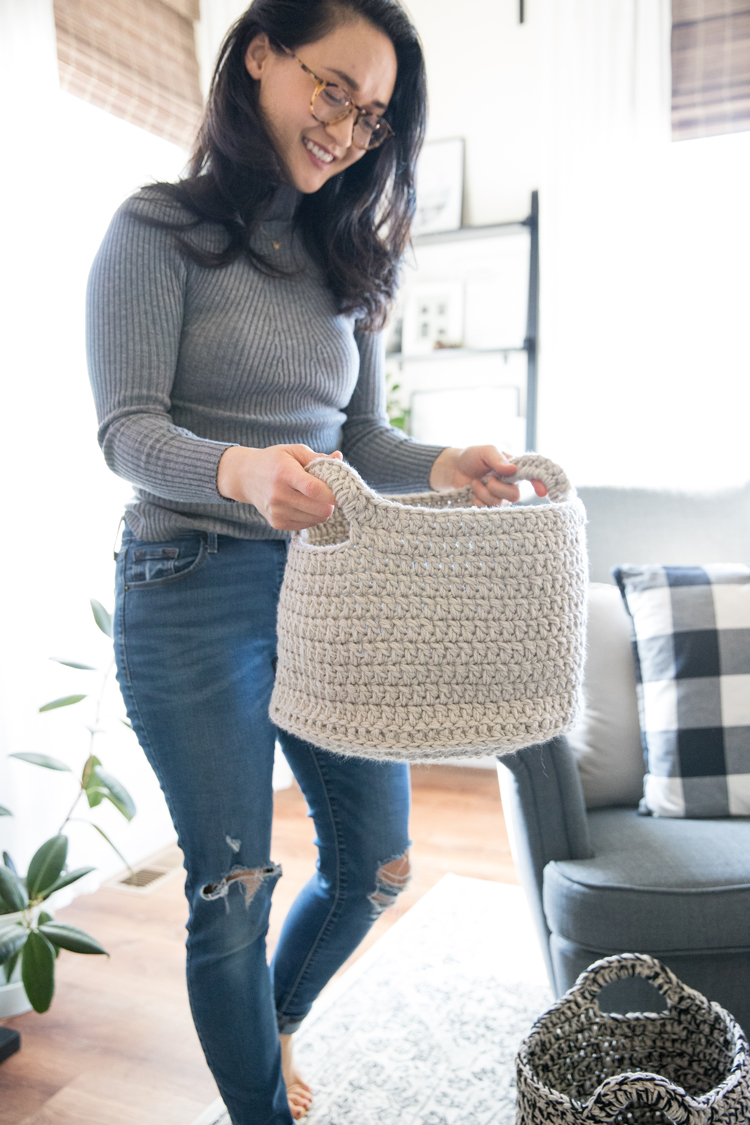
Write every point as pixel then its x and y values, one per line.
pixel 476 465
pixel 275 481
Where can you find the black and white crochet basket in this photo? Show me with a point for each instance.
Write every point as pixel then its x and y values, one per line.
pixel 687 1065
pixel 416 628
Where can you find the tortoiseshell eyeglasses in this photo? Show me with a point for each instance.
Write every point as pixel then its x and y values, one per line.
pixel 330 104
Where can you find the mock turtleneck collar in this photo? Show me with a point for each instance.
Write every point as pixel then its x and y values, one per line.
pixel 283 203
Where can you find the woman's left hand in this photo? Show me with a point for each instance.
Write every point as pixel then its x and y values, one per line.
pixel 477 465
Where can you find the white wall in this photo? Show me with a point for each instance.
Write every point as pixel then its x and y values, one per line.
pixel 483 85
pixel 645 360
pixel 61 504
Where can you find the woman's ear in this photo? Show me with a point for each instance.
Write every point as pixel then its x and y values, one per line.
pixel 257 55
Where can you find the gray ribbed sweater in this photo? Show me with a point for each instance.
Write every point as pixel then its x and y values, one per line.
pixel 185 361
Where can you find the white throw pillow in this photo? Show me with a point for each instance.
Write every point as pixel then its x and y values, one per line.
pixel 606 742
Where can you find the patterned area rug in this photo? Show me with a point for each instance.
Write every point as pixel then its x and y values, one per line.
pixel 424 1028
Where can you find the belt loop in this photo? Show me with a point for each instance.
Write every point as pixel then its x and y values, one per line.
pixel 213 542
pixel 117 545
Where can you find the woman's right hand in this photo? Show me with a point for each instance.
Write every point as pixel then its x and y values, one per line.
pixel 275 481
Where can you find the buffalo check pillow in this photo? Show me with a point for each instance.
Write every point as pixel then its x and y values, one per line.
pixel 691 643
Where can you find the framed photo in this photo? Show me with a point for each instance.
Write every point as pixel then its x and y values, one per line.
pixel 433 317
pixel 440 187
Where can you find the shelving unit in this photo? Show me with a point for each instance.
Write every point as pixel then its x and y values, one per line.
pixel 530 345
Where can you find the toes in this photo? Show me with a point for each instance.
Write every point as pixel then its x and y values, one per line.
pixel 299 1106
pixel 299 1096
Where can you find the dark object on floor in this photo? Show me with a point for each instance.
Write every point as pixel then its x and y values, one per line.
pixel 688 1064
pixel 10 1042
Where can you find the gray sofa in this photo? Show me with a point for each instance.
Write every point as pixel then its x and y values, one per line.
pixel 602 879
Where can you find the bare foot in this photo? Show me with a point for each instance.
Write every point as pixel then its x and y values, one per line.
pixel 297 1090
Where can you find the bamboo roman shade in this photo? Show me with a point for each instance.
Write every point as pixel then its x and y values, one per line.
pixel 135 59
pixel 710 67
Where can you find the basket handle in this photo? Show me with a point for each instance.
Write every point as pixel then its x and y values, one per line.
pixel 621 1092
pixel 586 989
pixel 531 466
pixel 354 497
pixel 352 494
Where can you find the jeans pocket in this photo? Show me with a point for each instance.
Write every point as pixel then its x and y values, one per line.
pixel 156 564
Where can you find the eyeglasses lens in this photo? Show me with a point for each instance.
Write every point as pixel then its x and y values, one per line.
pixel 331 104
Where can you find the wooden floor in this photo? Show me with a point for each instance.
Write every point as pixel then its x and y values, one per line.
pixel 118 1046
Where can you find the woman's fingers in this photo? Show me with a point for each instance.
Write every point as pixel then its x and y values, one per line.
pixel 491 497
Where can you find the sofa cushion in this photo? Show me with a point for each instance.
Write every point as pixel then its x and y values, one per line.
pixel 606 740
pixel 691 633
pixel 654 884
pixel 653 525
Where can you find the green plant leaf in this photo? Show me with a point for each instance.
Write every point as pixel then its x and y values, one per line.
pixel 102 617
pixel 10 966
pixel 64 701
pixel 127 723
pixel 116 792
pixel 69 937
pixel 87 777
pixel 46 865
pixel 95 794
pixel 44 917
pixel 38 971
pixel 12 938
pixel 9 863
pixel 42 760
pixel 74 664
pixel 66 879
pixel 112 846
pixel 4 811
pixel 12 890
pixel 91 782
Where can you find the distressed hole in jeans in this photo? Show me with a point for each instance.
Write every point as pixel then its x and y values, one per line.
pixel 392 878
pixel 250 879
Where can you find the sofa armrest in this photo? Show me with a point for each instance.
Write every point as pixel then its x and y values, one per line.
pixel 546 818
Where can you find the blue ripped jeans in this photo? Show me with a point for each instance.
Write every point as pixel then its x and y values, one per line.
pixel 195 641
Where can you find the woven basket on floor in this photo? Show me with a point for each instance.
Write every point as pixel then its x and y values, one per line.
pixel 421 627
pixel 687 1065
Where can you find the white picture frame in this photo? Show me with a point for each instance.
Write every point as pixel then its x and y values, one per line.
pixel 433 317
pixel 440 187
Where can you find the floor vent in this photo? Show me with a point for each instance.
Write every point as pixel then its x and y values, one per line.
pixel 142 877
pixel 148 875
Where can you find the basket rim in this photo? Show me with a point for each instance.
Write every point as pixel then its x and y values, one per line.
pixel 740 1062
pixel 574 505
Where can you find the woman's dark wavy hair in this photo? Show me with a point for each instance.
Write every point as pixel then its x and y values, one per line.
pixel 357 225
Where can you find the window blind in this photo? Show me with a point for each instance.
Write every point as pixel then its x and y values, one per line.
pixel 135 59
pixel 710 67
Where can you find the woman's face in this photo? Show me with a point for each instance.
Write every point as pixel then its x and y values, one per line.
pixel 357 57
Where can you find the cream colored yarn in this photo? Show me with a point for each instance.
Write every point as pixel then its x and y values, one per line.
pixel 420 627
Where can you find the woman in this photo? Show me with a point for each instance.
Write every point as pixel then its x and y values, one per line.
pixel 233 337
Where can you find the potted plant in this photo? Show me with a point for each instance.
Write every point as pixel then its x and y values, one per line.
pixel 30 940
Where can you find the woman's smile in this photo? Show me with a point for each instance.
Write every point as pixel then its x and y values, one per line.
pixel 320 156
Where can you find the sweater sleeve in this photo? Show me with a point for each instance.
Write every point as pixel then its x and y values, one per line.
pixel 385 457
pixel 135 308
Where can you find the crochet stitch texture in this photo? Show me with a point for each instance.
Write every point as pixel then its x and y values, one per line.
pixel 421 627
pixel 687 1065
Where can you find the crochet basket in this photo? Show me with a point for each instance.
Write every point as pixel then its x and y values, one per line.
pixel 687 1065
pixel 421 627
